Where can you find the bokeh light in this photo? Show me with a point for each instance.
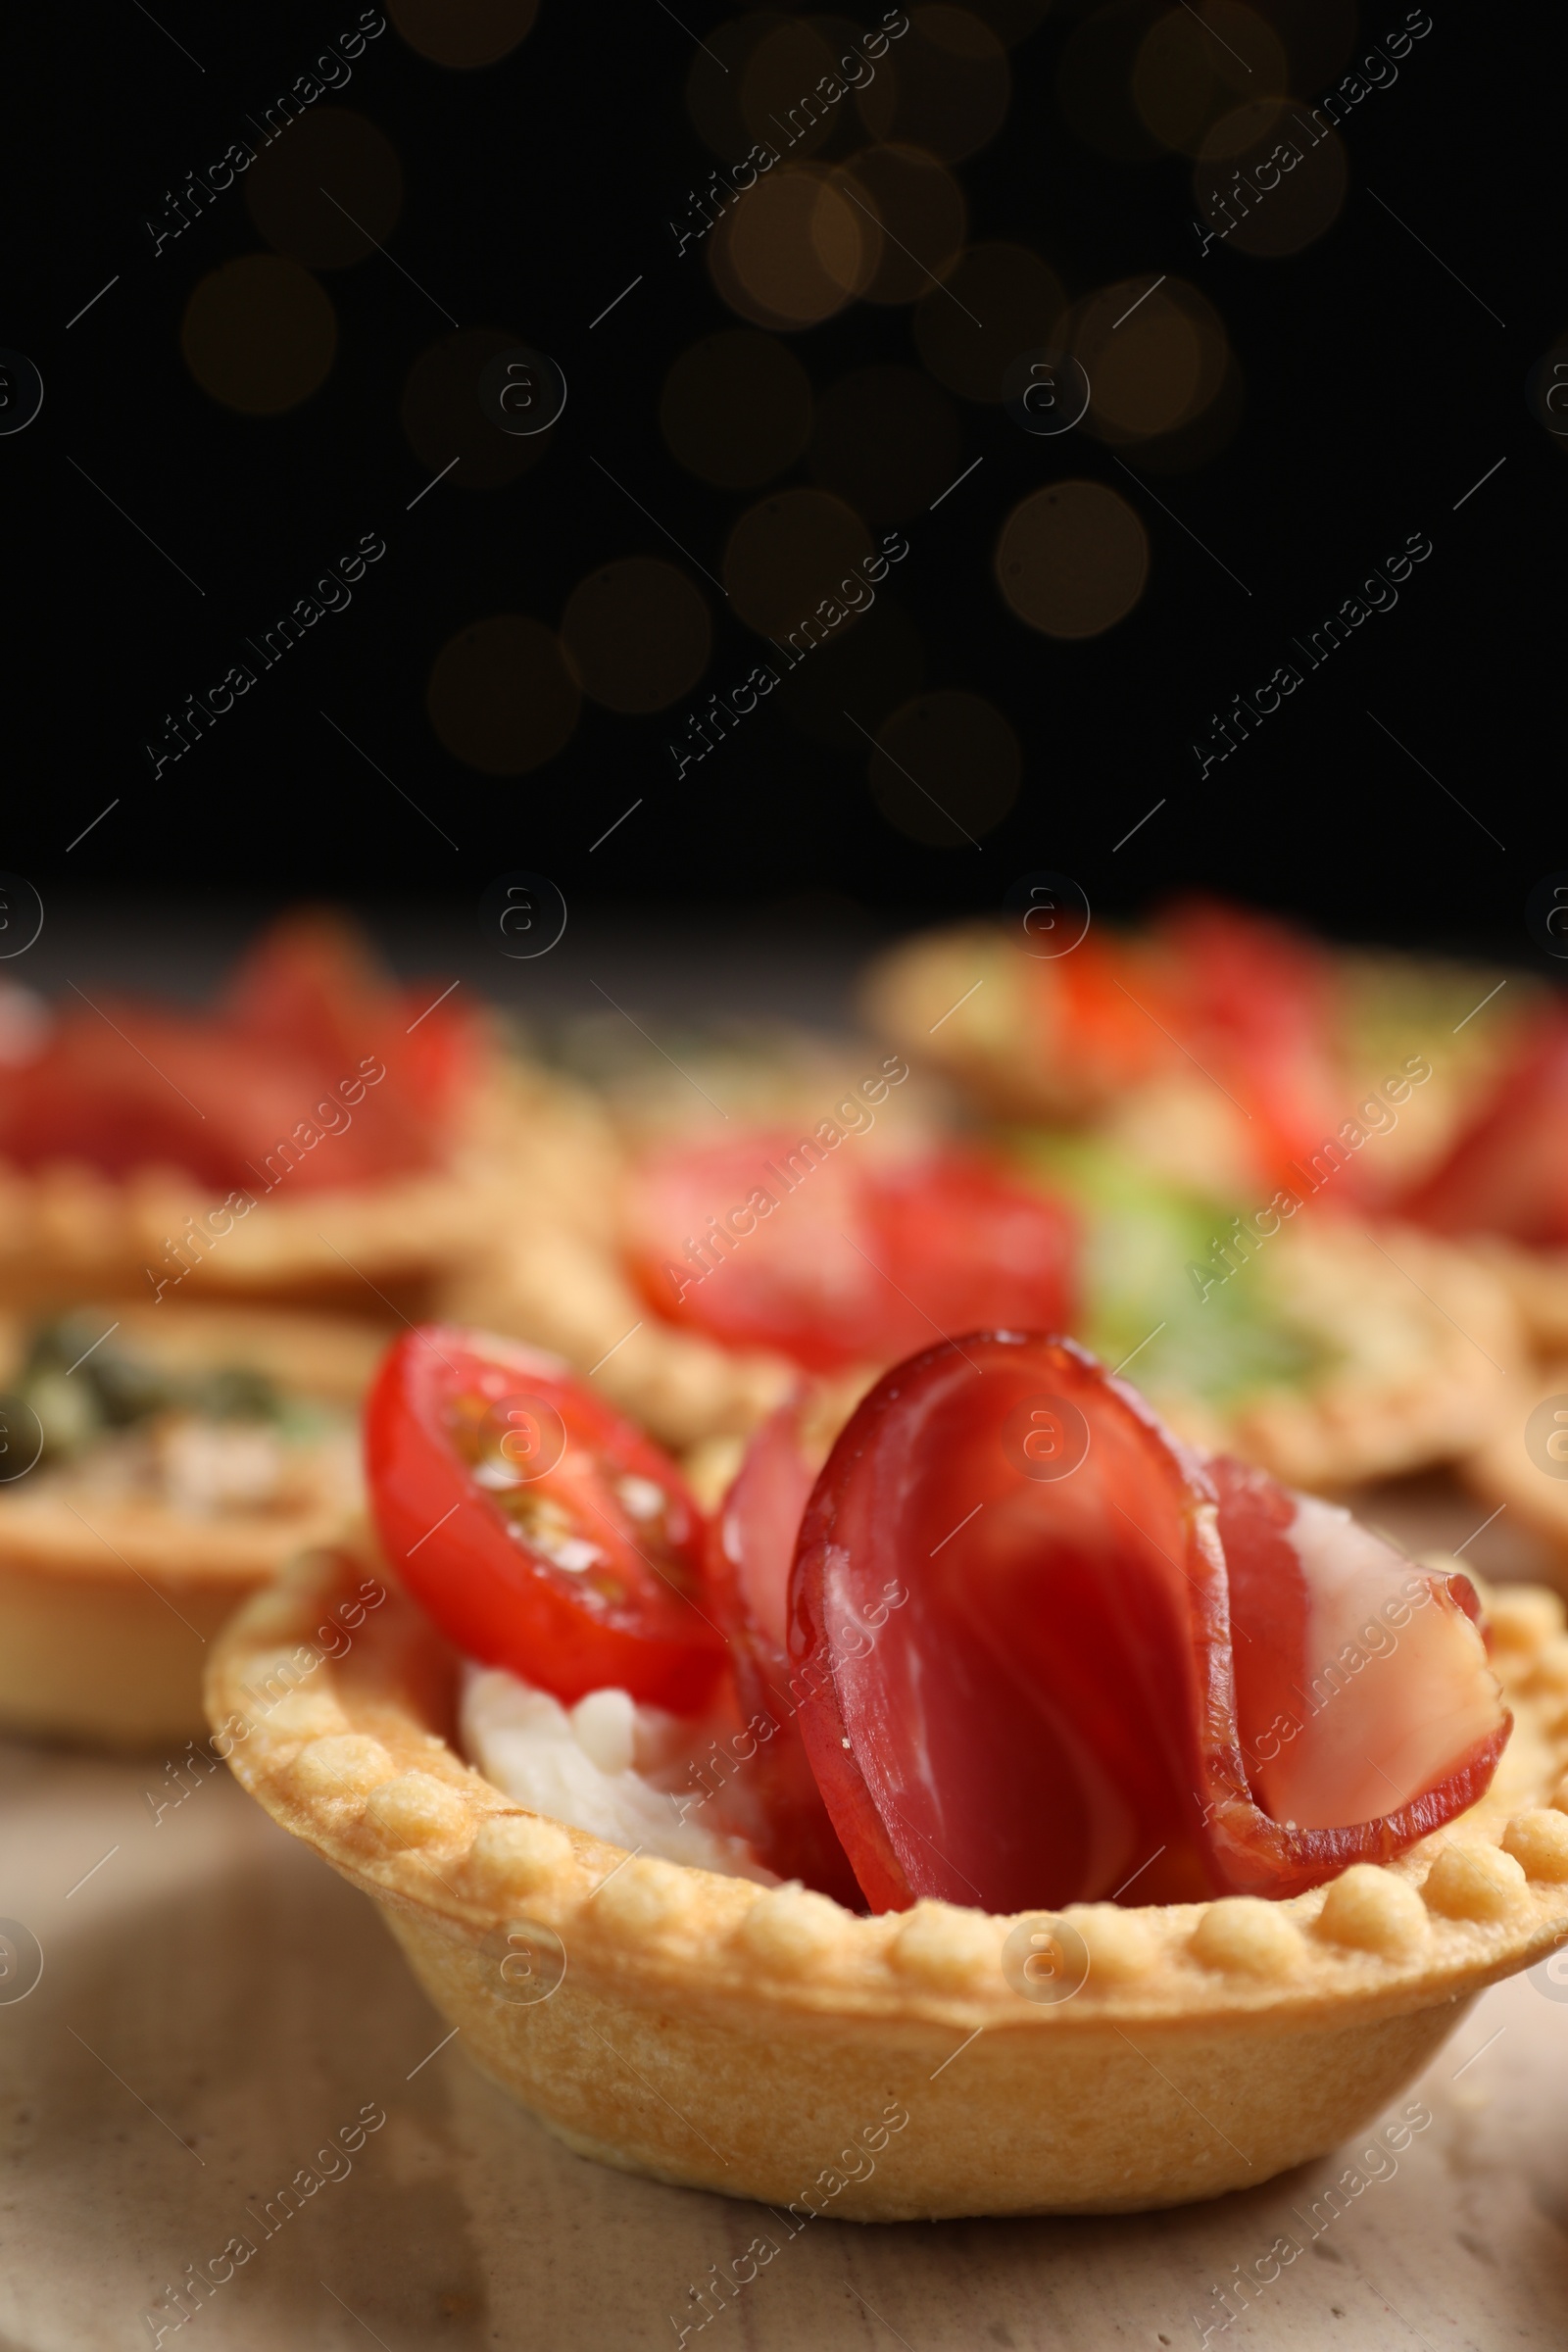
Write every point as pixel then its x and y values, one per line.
pixel 1154 356
pixel 796 248
pixel 501 697
pixel 997 301
pixel 888 438
pixel 259 334
pixel 1198 64
pixel 946 770
pixel 865 671
pixel 736 408
pixel 443 418
pixel 790 554
pixel 780 101
pixel 332 153
pixel 922 213
pixel 637 634
pixel 945 85
pixel 1256 200
pixel 464 33
pixel 1072 560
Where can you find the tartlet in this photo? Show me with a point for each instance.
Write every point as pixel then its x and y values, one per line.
pixel 1537 1281
pixel 710 2032
pixel 318 1133
pixel 1418 1337
pixel 68 1231
pixel 1421 1343
pixel 111 1590
pixel 1525 1466
pixel 559 1279
pixel 977 1003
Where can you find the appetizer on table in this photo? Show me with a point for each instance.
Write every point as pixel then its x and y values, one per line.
pixel 1133 1824
pixel 1223 1046
pixel 320 1130
pixel 160 1464
pixel 1504 1181
pixel 1326 1350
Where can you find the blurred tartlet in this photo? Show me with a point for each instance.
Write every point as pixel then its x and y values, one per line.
pixel 163 1463
pixel 834 1215
pixel 322 1135
pixel 1524 1468
pixel 1217 1044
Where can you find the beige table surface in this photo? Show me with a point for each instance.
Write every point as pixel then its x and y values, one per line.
pixel 215 2002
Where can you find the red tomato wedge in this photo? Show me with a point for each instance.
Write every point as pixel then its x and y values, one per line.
pixel 1253 1000
pixel 1208 989
pixel 541 1532
pixel 832 1259
pixel 752 1543
pixel 1509 1172
pixel 1103 1014
pixel 1057 1712
pixel 314 1070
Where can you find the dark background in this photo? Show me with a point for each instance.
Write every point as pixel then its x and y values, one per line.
pixel 1377 391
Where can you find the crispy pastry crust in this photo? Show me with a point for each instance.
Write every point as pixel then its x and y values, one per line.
pixel 1506 1471
pixel 1426 1343
pixel 710 2032
pixel 106 1606
pixel 1423 1335
pixel 67 1232
pixel 1537 1281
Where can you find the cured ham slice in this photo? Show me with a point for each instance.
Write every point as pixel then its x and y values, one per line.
pixel 752 1543
pixel 311 1046
pixel 1120 1670
pixel 1509 1172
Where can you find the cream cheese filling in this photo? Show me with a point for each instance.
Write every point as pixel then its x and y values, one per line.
pixel 606 1765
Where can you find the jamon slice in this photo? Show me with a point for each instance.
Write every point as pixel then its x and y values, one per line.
pixel 1090 1687
pixel 1363 1696
pixel 310 985
pixel 751 1545
pixel 310 1047
pixel 1508 1173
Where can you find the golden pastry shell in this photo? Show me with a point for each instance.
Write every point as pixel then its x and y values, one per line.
pixel 711 2032
pixel 105 1603
pixel 67 1231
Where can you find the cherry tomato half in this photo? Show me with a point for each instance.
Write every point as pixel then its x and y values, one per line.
pixel 542 1532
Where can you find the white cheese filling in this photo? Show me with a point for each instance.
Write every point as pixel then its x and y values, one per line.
pixel 620 1770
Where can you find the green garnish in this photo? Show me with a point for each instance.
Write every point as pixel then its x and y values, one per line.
pixel 81 1391
pixel 1142 1233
